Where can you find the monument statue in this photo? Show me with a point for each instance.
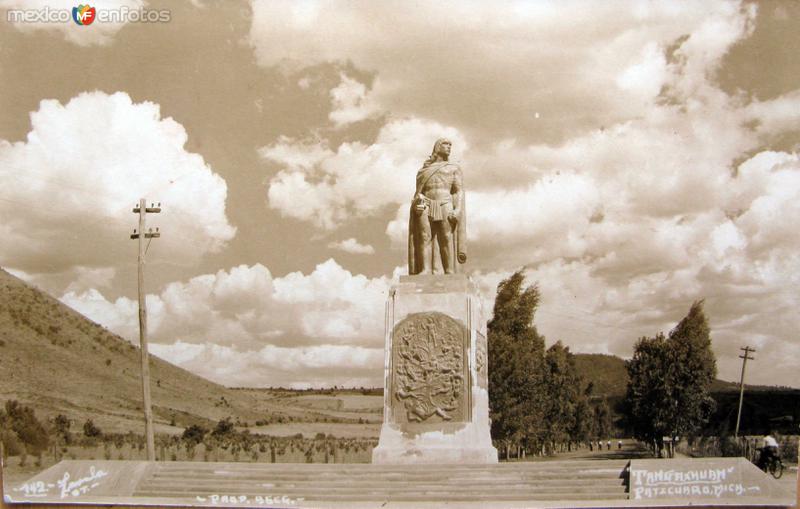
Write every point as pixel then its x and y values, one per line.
pixel 436 392
pixel 437 215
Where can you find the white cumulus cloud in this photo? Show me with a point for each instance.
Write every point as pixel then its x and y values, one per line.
pixel 327 187
pixel 512 69
pixel 351 102
pixel 70 188
pixel 244 323
pixel 352 246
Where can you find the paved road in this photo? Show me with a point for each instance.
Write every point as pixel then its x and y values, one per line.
pixel 790 482
pixel 631 449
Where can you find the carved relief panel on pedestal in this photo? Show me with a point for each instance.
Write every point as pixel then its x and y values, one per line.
pixel 430 380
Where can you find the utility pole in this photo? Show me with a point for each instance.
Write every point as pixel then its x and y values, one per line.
pixel 142 209
pixel 747 350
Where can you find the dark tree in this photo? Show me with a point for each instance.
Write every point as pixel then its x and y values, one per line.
pixel 670 379
pixel 91 430
pixel 601 423
pixel 516 356
pixel 581 430
pixel 536 398
pixel 694 368
pixel 61 425
pixel 23 422
pixel 562 395
pixel 224 428
pixel 194 434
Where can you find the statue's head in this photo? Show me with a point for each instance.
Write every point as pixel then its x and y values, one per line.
pixel 440 152
pixel 441 149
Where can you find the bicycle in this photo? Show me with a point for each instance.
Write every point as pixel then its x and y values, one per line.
pixel 773 465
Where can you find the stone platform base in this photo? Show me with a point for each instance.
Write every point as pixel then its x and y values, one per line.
pixel 436 402
pixel 409 453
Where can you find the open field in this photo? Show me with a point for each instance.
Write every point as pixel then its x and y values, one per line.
pixel 311 429
pixel 266 450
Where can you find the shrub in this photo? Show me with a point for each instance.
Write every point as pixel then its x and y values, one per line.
pixel 90 430
pixel 61 426
pixel 23 422
pixel 789 448
pixel 194 434
pixel 224 428
pixel 729 447
pixel 12 445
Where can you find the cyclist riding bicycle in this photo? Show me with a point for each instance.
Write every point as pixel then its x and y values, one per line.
pixel 768 452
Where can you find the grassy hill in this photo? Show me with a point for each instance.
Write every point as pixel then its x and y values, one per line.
pixel 610 378
pixel 606 372
pixel 55 360
pixel 765 406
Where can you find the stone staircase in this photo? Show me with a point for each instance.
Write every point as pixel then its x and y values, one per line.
pixel 363 483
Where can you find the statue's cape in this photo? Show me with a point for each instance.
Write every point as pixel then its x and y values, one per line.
pixel 415 251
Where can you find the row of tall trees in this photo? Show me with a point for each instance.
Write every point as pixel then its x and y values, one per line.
pixel 537 399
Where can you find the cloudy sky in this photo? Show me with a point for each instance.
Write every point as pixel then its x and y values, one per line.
pixel 632 156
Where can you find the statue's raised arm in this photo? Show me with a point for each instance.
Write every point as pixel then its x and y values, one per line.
pixel 437 215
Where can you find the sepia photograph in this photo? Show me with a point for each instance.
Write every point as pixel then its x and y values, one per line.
pixel 401 254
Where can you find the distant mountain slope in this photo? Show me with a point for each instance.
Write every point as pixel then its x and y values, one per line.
pixel 606 372
pixel 58 361
pixel 610 377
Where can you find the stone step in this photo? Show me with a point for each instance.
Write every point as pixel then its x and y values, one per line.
pixel 440 498
pixel 522 481
pixel 544 477
pixel 402 495
pixel 334 472
pixel 495 483
pixel 363 467
pixel 330 476
pixel 354 485
pixel 345 486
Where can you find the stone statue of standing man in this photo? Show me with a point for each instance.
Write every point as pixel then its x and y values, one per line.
pixel 437 217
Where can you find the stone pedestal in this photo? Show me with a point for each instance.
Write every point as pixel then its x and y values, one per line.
pixel 436 401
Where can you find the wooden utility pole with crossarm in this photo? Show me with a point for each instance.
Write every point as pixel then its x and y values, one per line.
pixel 747 350
pixel 142 209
